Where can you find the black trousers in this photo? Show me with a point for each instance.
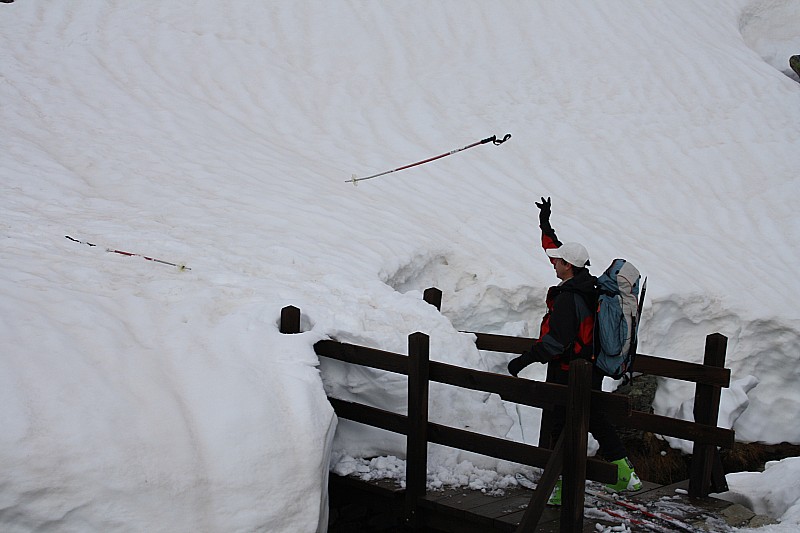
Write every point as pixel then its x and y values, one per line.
pixel 611 447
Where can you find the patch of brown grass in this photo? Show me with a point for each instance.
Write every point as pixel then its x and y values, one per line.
pixel 751 457
pixel 655 461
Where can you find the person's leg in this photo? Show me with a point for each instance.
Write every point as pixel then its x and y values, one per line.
pixel 555 374
pixel 611 447
pixel 559 376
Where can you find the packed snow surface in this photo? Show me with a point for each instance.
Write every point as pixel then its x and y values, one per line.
pixel 218 136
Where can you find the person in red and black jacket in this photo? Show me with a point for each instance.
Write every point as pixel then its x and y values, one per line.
pixel 567 333
pixel 567 328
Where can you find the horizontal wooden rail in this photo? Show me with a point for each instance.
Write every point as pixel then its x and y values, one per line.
pixel 501 343
pixel 361 355
pixel 520 390
pixel 517 452
pixel 646 364
pixel 526 454
pixel 371 416
pixel 673 427
pixel 683 370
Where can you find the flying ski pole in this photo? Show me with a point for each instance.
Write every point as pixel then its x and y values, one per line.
pixel 131 254
pixel 493 139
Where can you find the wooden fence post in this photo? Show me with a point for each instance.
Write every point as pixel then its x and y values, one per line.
pixel 706 411
pixel 433 296
pixel 290 320
pixel 417 437
pixel 576 438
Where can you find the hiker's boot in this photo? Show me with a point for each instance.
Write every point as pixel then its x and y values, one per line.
pixel 626 477
pixel 555 497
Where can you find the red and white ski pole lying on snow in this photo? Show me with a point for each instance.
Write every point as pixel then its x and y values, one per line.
pixel 493 139
pixel 675 523
pixel 131 254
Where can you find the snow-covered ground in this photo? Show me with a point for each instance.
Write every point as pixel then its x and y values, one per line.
pixel 137 396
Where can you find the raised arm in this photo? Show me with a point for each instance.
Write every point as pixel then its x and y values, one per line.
pixel 549 239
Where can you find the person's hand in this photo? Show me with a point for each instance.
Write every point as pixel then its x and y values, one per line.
pixel 516 365
pixel 544 209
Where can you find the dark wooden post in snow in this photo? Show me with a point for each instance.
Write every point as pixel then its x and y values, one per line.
pixel 576 437
pixel 417 437
pixel 433 296
pixel 706 411
pixel 290 320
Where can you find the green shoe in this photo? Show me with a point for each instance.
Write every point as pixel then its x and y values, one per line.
pixel 626 477
pixel 555 497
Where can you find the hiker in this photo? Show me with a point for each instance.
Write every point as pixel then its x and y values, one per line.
pixel 566 334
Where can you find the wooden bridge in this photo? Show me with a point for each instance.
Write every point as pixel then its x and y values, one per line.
pixel 378 507
pixel 521 511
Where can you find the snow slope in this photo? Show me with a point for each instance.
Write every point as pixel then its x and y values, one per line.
pixel 138 396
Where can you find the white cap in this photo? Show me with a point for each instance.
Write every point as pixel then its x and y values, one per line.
pixel 571 252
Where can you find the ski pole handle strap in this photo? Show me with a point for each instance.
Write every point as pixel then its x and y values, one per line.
pixel 493 139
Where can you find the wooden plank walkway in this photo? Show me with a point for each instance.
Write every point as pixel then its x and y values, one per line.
pixel 470 511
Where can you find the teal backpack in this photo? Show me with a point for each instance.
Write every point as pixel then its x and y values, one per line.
pixel 617 320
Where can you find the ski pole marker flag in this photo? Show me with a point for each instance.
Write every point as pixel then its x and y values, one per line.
pixel 493 139
pixel 131 254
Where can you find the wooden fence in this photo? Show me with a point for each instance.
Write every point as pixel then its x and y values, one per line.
pixel 569 455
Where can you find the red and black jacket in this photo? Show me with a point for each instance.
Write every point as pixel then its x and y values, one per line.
pixel 567 328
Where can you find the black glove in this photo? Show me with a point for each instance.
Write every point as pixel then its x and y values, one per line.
pixel 544 210
pixel 516 365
